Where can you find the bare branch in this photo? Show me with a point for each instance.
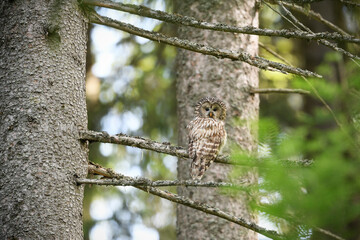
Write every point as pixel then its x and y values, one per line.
pixel 326 43
pixel 188 202
pixel 149 188
pixel 274 53
pixel 143 143
pixel 328 233
pixel 311 86
pixel 350 3
pixel 278 90
pixel 193 22
pixel 302 1
pixel 212 210
pixel 314 90
pixel 316 16
pixel 200 48
pixel 297 23
pixel 144 182
pixel 167 148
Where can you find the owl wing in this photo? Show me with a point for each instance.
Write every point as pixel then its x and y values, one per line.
pixel 193 137
pixel 205 151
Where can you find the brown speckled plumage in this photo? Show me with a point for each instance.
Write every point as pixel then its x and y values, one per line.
pixel 207 134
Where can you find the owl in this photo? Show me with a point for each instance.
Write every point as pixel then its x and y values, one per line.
pixel 207 134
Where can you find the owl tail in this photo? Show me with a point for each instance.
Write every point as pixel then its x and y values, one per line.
pixel 198 167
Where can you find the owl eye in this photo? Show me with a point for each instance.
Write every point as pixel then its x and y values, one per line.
pixel 215 109
pixel 207 109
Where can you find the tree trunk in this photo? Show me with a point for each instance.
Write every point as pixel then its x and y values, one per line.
pixel 42 108
pixel 199 76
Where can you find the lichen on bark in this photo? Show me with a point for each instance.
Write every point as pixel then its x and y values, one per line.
pixel 42 108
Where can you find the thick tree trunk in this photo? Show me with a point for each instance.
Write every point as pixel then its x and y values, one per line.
pixel 199 76
pixel 42 107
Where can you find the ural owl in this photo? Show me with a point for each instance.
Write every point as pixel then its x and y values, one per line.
pixel 207 134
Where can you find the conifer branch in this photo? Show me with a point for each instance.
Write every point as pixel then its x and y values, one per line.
pixel 168 148
pixel 314 90
pixel 256 61
pixel 144 182
pixel 193 22
pixel 95 168
pixel 316 16
pixel 278 90
pixel 350 3
pixel 300 26
pixel 143 143
pixel 275 54
pixel 147 185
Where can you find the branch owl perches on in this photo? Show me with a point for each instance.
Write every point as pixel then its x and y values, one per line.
pixel 207 134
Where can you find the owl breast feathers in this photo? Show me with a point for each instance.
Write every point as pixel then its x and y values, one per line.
pixel 207 135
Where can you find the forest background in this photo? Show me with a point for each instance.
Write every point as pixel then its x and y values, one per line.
pixel 131 89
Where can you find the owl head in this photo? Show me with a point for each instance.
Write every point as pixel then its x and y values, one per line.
pixel 210 107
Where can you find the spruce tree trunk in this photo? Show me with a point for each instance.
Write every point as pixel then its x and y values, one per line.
pixel 199 76
pixel 42 108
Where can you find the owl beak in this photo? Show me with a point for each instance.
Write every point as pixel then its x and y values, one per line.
pixel 211 114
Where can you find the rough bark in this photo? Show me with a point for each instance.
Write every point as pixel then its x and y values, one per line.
pixel 199 76
pixel 42 107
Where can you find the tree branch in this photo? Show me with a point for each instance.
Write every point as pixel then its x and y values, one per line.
pixel 200 48
pixel 303 1
pixel 326 43
pixel 275 54
pixel 188 202
pixel 144 182
pixel 147 185
pixel 193 22
pixel 297 23
pixel 328 233
pixel 143 143
pixel 316 16
pixel 167 148
pixel 350 3
pixel 278 90
pixel 311 86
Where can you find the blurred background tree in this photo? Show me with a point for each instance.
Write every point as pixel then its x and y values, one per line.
pixel 131 89
pixel 298 127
